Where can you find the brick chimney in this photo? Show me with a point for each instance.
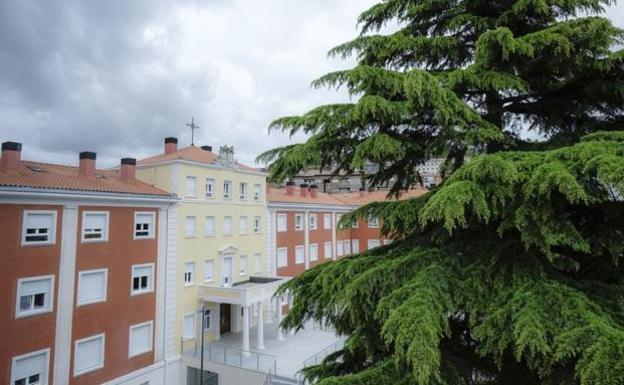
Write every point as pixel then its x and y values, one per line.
pixel 87 164
pixel 304 189
pixel 11 155
pixel 207 148
pixel 128 167
pixel 171 145
pixel 290 188
pixel 313 191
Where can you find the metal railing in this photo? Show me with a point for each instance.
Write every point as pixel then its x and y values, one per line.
pixel 318 357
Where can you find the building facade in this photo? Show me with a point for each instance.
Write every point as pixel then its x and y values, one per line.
pixel 84 262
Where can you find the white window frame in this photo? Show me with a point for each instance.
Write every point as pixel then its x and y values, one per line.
pixel 193 193
pixel 214 226
pixel 257 192
pixel 328 246
pixel 355 246
pixel 227 192
pixel 285 228
pixel 52 233
pixel 257 263
pixel 194 331
pixel 231 224
pixel 313 219
pixel 101 336
pixel 242 271
pixel 209 193
pixel 242 191
pixel 49 304
pixel 193 274
pixel 347 246
pixel 302 226
pixel 151 230
pixel 43 379
pixel 186 234
pixel 243 230
pixel 151 339
pixel 257 220
pixel 373 223
pixel 277 257
pixel 104 231
pixel 374 240
pixel 339 250
pixel 81 274
pixel 302 248
pixel 206 262
pixel 327 221
pixel 313 256
pixel 150 279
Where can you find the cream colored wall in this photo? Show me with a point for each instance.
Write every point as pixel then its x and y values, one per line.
pixel 201 247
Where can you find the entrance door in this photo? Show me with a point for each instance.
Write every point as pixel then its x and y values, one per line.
pixel 227 271
pixel 226 318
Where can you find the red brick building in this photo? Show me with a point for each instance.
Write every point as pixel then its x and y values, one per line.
pixel 83 258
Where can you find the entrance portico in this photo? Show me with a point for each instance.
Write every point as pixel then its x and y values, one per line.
pixel 242 300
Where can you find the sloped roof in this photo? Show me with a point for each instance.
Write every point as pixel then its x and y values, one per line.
pixel 191 154
pixel 361 198
pixel 55 176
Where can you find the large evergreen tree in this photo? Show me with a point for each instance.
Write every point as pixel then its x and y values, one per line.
pixel 509 272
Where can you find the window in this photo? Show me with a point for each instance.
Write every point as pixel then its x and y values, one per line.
pixel 243 225
pixel 209 187
pixel 189 273
pixel 207 313
pixel 140 339
pixel 89 354
pixel 256 225
pixel 208 270
pixel 338 216
pixel 281 222
pixel 339 248
pixel 327 221
pixel 188 327
pixel 372 243
pixel 227 225
pixel 242 190
pixel 39 227
pixel 355 224
pixel 34 295
pixel 347 246
pixel 144 225
pixel 209 228
pixel 328 250
pixel 189 226
pixel 282 257
pixel 257 192
pixel 31 368
pixel 142 279
pixel 313 252
pixel 94 226
pixel 227 189
pixel 299 254
pixel 257 263
pixel 298 222
pixel 387 241
pixel 356 245
pixel 313 222
pixel 191 186
pixel 373 223
pixel 92 286
pixel 243 264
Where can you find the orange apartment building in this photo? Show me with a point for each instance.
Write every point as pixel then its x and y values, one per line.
pixel 84 255
pixel 303 226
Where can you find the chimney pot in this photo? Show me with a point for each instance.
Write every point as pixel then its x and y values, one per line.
pixel 313 191
pixel 303 187
pixel 87 164
pixel 11 155
pixel 171 145
pixel 128 168
pixel 206 148
pixel 290 188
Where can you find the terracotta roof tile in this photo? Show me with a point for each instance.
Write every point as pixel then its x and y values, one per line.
pixel 191 154
pixel 54 176
pixel 361 198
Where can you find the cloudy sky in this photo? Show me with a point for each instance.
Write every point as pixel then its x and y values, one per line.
pixel 116 77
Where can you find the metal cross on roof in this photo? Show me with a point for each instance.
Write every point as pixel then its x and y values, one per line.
pixel 193 127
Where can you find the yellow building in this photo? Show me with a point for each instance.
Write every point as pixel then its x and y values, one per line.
pixel 221 261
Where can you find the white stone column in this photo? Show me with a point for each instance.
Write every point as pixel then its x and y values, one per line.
pixel 280 335
pixel 260 325
pixel 246 330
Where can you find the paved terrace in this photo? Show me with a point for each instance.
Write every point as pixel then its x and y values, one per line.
pixel 289 354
